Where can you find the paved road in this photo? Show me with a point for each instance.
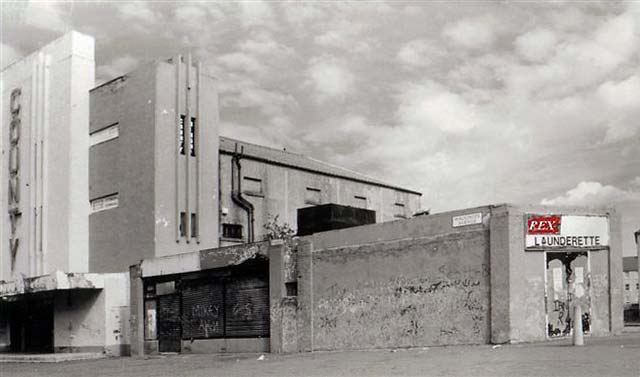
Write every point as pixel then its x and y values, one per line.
pixel 613 356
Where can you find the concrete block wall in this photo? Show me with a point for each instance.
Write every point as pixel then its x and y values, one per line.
pixel 409 283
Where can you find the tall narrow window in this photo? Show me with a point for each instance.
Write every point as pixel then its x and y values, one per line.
pixel 192 137
pixel 183 224
pixel 194 226
pixel 181 141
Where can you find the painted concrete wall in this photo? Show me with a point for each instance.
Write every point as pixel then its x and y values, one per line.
pixel 52 158
pixel 79 321
pixel 121 236
pixel 93 320
pixel 185 183
pixel 283 192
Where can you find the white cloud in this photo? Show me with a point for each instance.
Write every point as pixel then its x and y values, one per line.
pixel 475 33
pixel 431 106
pixel 117 67
pixel 593 194
pixel 256 13
pixel 48 16
pixel 191 15
pixel 264 44
pixel 137 11
pixel 330 77
pixel 240 61
pixel 536 45
pixel 248 94
pixel 420 53
pixel 621 94
pixel 8 55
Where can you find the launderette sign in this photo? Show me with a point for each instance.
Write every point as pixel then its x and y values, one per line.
pixel 557 231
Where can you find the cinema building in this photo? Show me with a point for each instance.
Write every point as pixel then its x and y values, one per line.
pixel 103 177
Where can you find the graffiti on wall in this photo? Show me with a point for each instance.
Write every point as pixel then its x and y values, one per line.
pixel 445 305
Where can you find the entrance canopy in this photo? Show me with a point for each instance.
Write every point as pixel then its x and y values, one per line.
pixel 56 281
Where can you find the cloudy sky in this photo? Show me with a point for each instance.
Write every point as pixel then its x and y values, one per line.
pixel 469 102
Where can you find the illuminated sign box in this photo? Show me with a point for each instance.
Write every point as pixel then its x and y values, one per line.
pixel 555 231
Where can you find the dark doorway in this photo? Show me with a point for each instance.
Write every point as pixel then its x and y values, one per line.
pixel 169 323
pixel 31 325
pixel 567 286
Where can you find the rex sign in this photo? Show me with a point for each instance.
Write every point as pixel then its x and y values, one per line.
pixel 556 231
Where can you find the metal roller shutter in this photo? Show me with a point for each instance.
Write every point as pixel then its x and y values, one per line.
pixel 202 310
pixel 169 324
pixel 247 307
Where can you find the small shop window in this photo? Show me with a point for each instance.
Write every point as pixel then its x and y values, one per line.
pixel 313 196
pixel 233 231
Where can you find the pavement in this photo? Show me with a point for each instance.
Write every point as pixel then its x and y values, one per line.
pixel 606 356
pixel 48 357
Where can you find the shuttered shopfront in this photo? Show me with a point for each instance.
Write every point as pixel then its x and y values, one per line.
pixel 230 303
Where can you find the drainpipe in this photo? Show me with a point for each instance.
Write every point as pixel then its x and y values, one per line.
pixel 236 191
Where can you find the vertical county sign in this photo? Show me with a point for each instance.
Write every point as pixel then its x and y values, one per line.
pixel 14 171
pixel 555 231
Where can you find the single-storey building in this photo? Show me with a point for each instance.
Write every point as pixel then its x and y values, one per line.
pixel 492 274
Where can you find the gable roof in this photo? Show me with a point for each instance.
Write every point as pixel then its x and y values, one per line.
pixel 629 264
pixel 299 161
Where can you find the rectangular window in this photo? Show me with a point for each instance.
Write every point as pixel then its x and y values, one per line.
pixel 181 141
pixel 233 231
pixel 637 286
pixel 192 137
pixel 313 196
pixel 183 224
pixel 399 211
pixel 104 203
pixel 108 133
pixel 360 201
pixel 194 225
pixel 252 186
